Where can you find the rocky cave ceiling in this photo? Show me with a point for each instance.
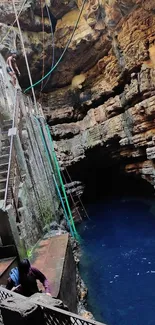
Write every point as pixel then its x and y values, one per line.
pixel 102 94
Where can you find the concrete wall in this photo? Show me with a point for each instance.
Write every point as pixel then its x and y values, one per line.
pixel 5 229
pixel 68 290
pixel 37 203
pixel 38 200
pixel 53 257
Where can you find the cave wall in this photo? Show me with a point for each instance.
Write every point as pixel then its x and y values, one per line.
pixel 102 94
pixel 32 201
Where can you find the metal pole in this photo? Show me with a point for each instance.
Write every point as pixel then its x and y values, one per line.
pixel 25 55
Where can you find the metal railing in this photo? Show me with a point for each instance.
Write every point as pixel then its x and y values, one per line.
pixel 52 315
pixel 55 316
pixel 4 294
pixel 13 168
pixel 11 149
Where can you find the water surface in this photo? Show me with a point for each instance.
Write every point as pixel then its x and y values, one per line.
pixel 118 261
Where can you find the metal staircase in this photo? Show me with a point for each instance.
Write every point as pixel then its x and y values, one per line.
pixel 4 163
pixel 8 253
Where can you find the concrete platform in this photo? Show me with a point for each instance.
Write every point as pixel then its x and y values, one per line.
pixel 54 258
pixel 49 258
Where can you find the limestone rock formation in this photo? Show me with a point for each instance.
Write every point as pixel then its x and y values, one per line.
pixel 113 107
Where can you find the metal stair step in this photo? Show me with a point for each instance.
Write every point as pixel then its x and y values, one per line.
pixel 5 149
pixel 3 167
pixel 5 141
pixel 7 124
pixel 3 183
pixel 2 193
pixel 6 127
pixel 4 132
pixel 4 158
pixel 7 121
pixel 2 190
pixel 3 172
pixel 2 180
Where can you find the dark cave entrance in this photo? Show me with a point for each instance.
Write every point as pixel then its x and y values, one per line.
pixel 118 240
pixel 104 178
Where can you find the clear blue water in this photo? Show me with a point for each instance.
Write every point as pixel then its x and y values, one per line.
pixel 118 261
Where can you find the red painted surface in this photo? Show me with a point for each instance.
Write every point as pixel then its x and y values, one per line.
pixel 49 258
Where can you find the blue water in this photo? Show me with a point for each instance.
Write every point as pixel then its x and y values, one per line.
pixel 118 261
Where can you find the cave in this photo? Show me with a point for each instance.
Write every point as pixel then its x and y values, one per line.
pixel 99 104
pixel 117 241
pixel 104 178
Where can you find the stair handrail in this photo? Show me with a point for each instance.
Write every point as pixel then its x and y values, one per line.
pixel 11 149
pixel 52 315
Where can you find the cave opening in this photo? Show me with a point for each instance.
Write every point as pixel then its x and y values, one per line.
pixel 118 241
pixel 104 177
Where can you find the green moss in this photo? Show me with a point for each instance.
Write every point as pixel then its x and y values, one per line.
pixel 29 253
pixel 46 213
pixel 21 250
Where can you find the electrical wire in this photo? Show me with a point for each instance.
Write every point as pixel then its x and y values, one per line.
pixel 43 31
pixel 63 53
pixel 11 27
pixel 77 195
pixel 25 55
pixel 72 199
pixel 53 46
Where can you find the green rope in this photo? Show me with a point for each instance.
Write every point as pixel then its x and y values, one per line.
pixel 57 187
pixel 61 181
pixel 64 51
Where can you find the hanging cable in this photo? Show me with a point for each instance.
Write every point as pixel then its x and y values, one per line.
pixel 11 27
pixel 62 185
pixel 25 55
pixel 77 194
pixel 61 181
pixel 43 31
pixel 54 178
pixel 53 45
pixel 63 53
pixel 72 199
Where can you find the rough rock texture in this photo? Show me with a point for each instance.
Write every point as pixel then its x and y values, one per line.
pixel 82 290
pixel 110 104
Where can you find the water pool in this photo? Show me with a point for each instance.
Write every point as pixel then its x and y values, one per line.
pixel 118 261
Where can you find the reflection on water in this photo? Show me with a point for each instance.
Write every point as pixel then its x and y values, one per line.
pixel 118 261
